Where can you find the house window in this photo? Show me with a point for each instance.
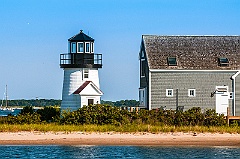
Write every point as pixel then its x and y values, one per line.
pixel 80 47
pixel 143 68
pixel 142 56
pixel 191 92
pixel 87 48
pixel 223 62
pixel 86 73
pixel 142 96
pixel 172 61
pixel 73 47
pixel 169 92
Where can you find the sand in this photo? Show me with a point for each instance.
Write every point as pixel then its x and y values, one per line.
pixel 113 138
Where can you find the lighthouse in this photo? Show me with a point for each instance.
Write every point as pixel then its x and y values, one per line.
pixel 81 79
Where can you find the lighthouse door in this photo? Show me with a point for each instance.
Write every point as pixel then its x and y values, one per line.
pixel 90 101
pixel 222 96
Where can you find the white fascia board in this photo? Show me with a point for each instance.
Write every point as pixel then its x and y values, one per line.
pixel 149 92
pixel 235 75
pixel 165 70
pixel 87 95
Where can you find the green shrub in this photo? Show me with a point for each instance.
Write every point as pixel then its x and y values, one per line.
pixel 26 118
pixel 110 115
pixel 49 114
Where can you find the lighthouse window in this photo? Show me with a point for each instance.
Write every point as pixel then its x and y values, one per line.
pixel 87 47
pixel 86 73
pixel 80 47
pixel 73 47
pixel 92 48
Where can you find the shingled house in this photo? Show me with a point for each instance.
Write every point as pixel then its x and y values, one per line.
pixel 181 72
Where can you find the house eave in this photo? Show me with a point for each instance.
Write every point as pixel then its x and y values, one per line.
pixel 196 71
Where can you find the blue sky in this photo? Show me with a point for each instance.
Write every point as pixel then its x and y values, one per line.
pixel 34 32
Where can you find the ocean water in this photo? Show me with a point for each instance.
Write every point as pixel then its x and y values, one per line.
pixel 118 152
pixel 6 113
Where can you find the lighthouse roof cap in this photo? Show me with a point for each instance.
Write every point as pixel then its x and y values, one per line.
pixel 81 37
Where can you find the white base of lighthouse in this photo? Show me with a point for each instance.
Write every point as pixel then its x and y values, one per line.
pixel 80 87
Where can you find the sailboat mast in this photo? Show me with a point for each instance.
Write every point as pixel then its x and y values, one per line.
pixel 6 97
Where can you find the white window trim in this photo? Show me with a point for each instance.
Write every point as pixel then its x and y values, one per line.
pixel 78 47
pixel 86 47
pixel 167 95
pixel 189 90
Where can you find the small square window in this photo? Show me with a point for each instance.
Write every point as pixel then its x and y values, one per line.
pixel 169 92
pixel 172 61
pixel 192 93
pixel 223 62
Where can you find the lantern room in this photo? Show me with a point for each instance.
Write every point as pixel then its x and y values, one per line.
pixel 81 53
pixel 81 43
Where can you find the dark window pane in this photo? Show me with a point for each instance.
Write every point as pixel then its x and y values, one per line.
pixel 172 61
pixel 223 61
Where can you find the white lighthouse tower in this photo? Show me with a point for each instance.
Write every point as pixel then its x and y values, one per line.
pixel 81 81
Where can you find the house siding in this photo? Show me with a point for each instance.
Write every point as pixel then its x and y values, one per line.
pixel 203 82
pixel 237 95
pixel 144 84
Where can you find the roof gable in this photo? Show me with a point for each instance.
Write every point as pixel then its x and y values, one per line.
pixel 192 52
pixel 88 88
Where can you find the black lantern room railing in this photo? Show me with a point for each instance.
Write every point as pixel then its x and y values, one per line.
pixel 78 60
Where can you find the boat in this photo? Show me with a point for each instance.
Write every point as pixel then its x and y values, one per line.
pixel 5 109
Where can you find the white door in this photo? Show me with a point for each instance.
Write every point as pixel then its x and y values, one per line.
pixel 222 96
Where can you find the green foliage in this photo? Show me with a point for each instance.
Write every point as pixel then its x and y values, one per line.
pixel 53 127
pixel 105 114
pixel 95 114
pixel 194 116
pixel 49 114
pixel 26 118
pixel 26 110
pixel 214 119
pixel 234 123
pixel 111 115
pixel 29 116
pixel 34 102
pixel 125 103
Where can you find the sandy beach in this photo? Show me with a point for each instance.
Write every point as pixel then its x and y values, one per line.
pixel 113 138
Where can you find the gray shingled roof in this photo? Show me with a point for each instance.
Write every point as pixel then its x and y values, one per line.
pixel 192 52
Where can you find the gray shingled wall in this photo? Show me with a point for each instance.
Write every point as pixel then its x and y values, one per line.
pixel 204 83
pixel 237 94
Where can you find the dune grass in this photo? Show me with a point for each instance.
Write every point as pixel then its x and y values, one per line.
pixel 112 128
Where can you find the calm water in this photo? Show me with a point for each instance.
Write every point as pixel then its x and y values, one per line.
pixel 5 113
pixel 111 152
